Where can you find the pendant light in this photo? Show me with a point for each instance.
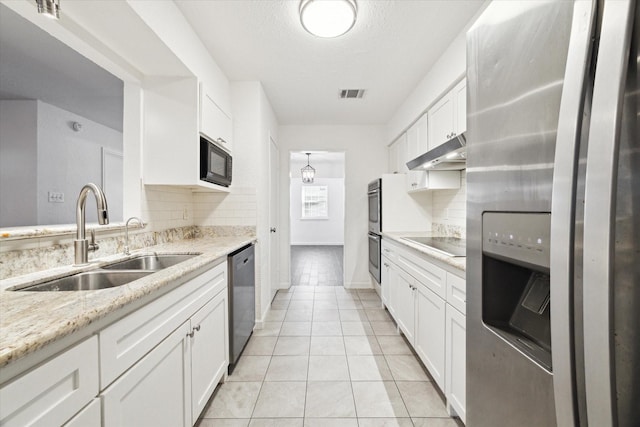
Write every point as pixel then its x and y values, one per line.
pixel 49 8
pixel 328 18
pixel 308 173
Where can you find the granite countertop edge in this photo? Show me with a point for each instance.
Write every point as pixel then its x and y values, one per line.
pixel 33 320
pixel 459 263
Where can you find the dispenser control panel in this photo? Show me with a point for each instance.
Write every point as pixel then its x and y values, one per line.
pixel 518 236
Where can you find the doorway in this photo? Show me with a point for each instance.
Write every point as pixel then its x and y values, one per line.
pixel 317 218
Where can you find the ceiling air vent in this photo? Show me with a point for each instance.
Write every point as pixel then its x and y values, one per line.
pixel 351 93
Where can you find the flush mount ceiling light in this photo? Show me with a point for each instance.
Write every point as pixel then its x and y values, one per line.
pixel 49 8
pixel 328 18
pixel 308 173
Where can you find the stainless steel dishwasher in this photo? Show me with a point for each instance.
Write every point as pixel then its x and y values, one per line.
pixel 242 301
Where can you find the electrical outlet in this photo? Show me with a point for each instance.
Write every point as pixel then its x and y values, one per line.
pixel 185 213
pixel 56 197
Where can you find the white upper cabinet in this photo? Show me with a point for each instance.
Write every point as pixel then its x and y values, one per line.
pixel 417 138
pixel 398 152
pixel 448 116
pixel 215 123
pixel 171 145
pixel 460 103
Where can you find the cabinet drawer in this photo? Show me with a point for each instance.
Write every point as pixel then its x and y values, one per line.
pixel 128 340
pixel 457 292
pixel 53 392
pixel 389 251
pixel 426 273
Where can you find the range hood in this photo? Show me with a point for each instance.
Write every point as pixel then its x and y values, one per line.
pixel 452 155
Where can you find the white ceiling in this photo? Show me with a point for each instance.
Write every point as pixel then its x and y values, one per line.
pixel 389 50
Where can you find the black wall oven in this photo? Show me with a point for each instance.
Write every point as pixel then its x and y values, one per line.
pixel 215 163
pixel 374 194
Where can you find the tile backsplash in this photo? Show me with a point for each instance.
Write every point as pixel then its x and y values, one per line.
pixel 171 213
pixel 450 210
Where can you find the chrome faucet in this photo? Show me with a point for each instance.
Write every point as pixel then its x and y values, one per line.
pixel 126 232
pixel 81 244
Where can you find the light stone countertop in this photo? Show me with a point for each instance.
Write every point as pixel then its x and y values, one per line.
pixel 459 263
pixel 30 321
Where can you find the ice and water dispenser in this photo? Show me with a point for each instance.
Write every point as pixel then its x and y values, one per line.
pixel 515 283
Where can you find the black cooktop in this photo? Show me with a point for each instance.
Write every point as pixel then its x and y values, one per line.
pixel 452 246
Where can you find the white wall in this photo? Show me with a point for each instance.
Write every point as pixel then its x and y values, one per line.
pixel 18 162
pixel 365 160
pixel 67 160
pixel 329 231
pixel 254 124
pixel 63 161
pixel 447 70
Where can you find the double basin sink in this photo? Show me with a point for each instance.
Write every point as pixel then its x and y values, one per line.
pixel 112 275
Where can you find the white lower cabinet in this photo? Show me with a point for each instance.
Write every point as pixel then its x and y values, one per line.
pixel 455 388
pixel 405 309
pixel 209 351
pixel 430 333
pixel 177 377
pixel 88 417
pixel 52 393
pixel 428 303
pixel 159 365
pixel 155 391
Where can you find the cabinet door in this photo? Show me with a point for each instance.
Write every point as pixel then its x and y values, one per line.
pixel 402 153
pixel 393 158
pixel 441 123
pixel 412 142
pixel 54 391
pixel 460 100
pixel 430 332
pixel 214 122
pixel 393 289
pixel 406 305
pixel 156 391
pixel 209 351
pixel 456 362
pixel 88 417
pixel 385 278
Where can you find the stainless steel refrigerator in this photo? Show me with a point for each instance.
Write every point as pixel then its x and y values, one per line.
pixel 553 237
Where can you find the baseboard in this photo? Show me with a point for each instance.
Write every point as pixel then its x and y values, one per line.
pixel 358 285
pixel 318 244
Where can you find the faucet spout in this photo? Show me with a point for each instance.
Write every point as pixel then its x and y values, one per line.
pixel 81 244
pixel 126 232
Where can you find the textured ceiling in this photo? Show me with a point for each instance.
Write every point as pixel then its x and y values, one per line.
pixel 389 50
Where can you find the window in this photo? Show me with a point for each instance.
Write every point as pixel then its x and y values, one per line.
pixel 315 202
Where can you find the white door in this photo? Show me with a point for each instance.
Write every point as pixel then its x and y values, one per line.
pixel 274 193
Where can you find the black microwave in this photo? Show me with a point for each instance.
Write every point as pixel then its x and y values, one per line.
pixel 215 163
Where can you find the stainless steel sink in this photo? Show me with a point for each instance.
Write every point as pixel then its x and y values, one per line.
pixel 89 281
pixel 152 262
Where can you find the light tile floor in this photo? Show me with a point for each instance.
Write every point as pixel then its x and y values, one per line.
pixel 316 265
pixel 327 357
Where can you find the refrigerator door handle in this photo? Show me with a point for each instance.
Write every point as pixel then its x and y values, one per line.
pixel 563 211
pixel 600 208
